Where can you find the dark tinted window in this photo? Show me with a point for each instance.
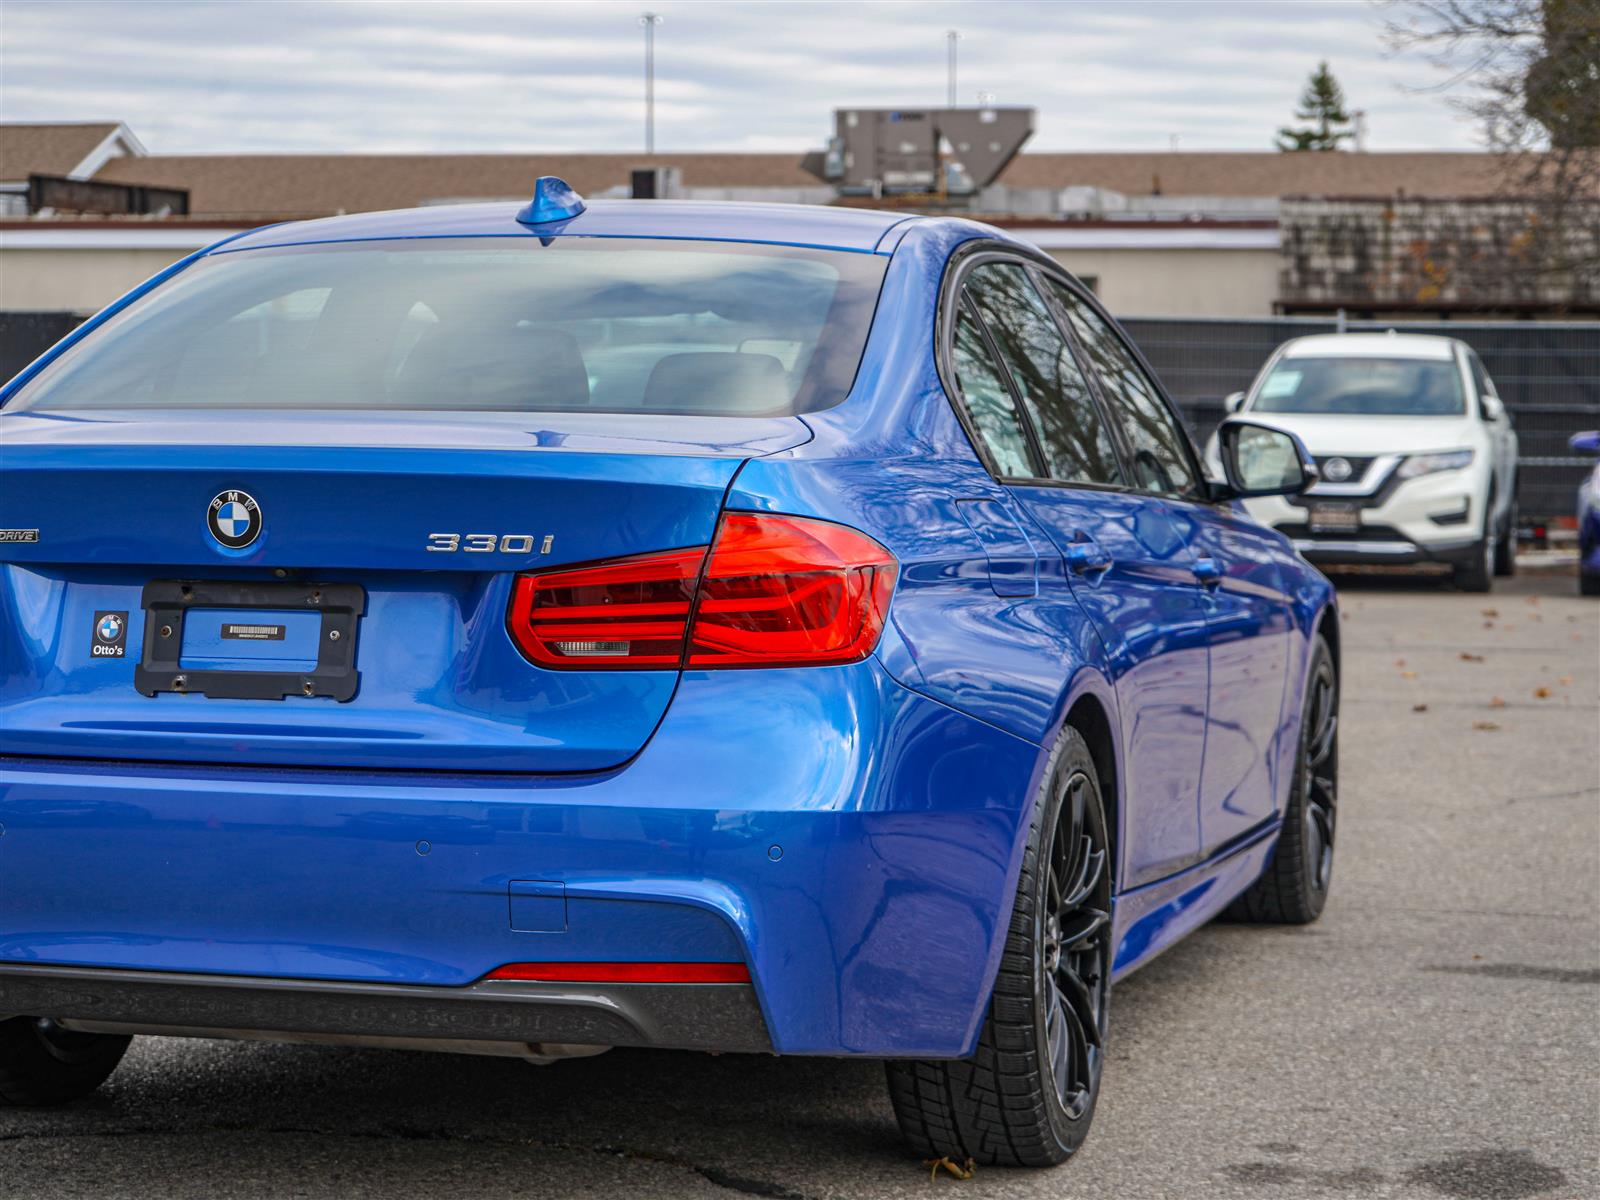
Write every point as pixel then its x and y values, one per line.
pixel 1368 387
pixel 623 325
pixel 1076 442
pixel 1161 460
pixel 988 401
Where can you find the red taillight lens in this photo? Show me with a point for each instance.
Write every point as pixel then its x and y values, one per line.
pixel 776 591
pixel 787 591
pixel 632 612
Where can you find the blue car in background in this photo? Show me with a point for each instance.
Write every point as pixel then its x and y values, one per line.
pixel 1588 442
pixel 533 630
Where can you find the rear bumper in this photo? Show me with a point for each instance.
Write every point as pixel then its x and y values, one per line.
pixel 676 1016
pixel 855 844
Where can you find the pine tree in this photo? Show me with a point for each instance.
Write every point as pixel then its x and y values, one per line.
pixel 1323 104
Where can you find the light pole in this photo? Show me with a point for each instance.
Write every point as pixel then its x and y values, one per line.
pixel 650 20
pixel 951 38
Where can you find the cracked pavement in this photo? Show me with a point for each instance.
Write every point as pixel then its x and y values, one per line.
pixel 1437 1034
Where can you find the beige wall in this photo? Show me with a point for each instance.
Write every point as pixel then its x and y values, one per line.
pixel 1179 283
pixel 81 281
pixel 1132 283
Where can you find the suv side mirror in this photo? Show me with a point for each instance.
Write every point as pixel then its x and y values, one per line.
pixel 1233 402
pixel 1494 408
pixel 1262 461
pixel 1587 442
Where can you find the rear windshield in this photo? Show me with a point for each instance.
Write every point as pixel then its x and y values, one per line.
pixel 481 324
pixel 1391 387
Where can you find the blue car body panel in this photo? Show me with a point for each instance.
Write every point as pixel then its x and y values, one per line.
pixel 853 833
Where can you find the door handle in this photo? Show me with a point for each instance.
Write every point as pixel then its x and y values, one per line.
pixel 1085 556
pixel 1208 571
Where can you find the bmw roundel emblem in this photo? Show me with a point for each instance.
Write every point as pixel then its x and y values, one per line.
pixel 1336 470
pixel 234 519
pixel 109 628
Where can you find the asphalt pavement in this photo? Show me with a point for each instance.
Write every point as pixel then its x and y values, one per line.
pixel 1436 1034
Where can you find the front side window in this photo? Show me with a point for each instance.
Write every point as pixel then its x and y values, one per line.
pixel 486 324
pixel 1076 443
pixel 988 401
pixel 1364 387
pixel 1161 459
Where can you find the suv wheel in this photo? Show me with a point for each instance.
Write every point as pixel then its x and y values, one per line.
pixel 1026 1098
pixel 1477 573
pixel 1505 549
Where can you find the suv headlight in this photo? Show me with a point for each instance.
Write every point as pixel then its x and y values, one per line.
pixel 1429 464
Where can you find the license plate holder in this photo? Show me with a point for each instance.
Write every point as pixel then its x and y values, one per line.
pixel 167 602
pixel 1334 517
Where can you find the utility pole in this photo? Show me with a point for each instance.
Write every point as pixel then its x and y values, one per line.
pixel 650 20
pixel 951 38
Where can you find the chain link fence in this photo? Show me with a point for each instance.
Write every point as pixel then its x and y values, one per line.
pixel 1548 374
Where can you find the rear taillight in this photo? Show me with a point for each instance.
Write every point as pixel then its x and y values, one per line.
pixel 774 592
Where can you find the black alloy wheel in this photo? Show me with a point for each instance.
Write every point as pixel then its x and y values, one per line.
pixel 1027 1097
pixel 1294 887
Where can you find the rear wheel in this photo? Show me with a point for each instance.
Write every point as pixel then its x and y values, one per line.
pixel 42 1063
pixel 1294 886
pixel 1027 1097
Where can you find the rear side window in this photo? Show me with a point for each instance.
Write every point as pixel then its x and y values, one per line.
pixel 1075 440
pixel 1161 459
pixel 486 324
pixel 988 401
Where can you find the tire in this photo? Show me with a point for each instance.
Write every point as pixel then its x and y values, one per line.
pixel 1027 1097
pixel 1294 887
pixel 1477 574
pixel 1588 585
pixel 1505 548
pixel 41 1063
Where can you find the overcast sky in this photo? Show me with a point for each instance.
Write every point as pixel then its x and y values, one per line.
pixel 263 75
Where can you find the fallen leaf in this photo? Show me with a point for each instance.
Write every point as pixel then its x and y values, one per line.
pixel 1543 693
pixel 1534 600
pixel 960 1170
pixel 1399 662
pixel 1497 702
pixel 1408 674
pixel 1488 624
pixel 1565 681
pixel 1419 708
pixel 1491 612
pixel 1466 657
pixel 1486 726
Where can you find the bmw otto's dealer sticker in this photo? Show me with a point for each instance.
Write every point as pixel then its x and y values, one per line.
pixel 110 635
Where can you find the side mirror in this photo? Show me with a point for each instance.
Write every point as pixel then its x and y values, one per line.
pixel 1494 408
pixel 1587 442
pixel 1259 460
pixel 1233 402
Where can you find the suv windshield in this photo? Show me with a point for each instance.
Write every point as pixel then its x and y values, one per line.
pixel 1396 387
pixel 500 324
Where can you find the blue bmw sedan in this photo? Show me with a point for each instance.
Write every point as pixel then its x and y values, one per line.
pixel 532 630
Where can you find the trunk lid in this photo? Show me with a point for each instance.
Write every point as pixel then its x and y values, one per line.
pixel 109 513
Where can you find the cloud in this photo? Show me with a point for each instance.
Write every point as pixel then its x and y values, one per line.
pixel 292 76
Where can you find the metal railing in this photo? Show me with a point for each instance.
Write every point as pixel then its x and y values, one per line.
pixel 1548 374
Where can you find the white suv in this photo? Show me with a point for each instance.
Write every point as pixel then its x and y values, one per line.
pixel 1417 454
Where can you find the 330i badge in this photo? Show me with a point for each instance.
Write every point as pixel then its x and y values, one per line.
pixel 880 674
